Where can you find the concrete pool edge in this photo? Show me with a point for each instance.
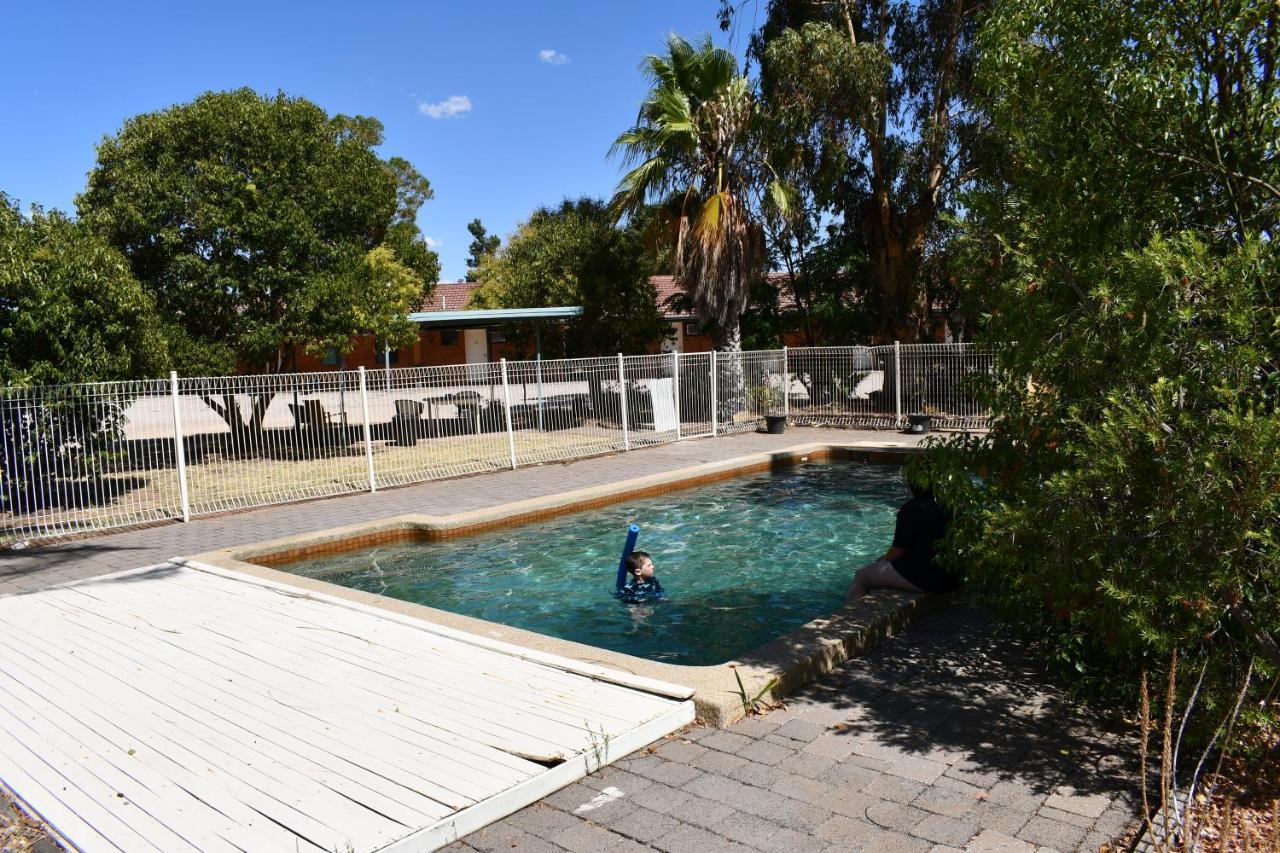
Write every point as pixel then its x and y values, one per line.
pixel 793 659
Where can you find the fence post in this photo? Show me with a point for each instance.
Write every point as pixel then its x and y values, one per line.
pixel 897 383
pixel 506 408
pixel 368 440
pixel 179 450
pixel 622 397
pixel 539 368
pixel 786 385
pixel 715 402
pixel 675 389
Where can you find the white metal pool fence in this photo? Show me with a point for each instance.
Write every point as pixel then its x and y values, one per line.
pixel 79 458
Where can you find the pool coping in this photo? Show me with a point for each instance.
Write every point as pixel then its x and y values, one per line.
pixel 789 661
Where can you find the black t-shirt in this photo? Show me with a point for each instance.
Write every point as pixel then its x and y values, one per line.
pixel 921 523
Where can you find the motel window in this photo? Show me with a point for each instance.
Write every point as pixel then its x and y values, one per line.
pixel 449 337
pixel 496 336
pixel 693 329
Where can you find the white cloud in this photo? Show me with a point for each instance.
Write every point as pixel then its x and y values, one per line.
pixel 432 242
pixel 448 108
pixel 553 57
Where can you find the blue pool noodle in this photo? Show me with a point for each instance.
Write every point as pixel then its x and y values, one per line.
pixel 633 532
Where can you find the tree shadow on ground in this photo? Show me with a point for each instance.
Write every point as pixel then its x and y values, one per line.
pixel 955 687
pixel 28 561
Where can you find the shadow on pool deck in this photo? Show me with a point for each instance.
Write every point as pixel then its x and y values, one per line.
pixel 947 736
pixel 957 682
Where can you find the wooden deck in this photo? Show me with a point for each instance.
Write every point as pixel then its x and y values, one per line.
pixel 178 708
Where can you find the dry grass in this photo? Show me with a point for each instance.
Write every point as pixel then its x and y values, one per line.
pixel 19 830
pixel 218 483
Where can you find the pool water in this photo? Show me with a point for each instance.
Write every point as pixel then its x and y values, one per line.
pixel 742 561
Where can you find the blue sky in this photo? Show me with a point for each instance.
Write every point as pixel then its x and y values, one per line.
pixel 504 106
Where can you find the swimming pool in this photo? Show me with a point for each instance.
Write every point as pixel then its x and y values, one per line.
pixel 743 561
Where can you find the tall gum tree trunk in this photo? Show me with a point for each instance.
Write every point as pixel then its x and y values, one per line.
pixel 895 265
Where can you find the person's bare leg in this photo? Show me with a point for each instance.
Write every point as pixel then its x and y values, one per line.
pixel 878 575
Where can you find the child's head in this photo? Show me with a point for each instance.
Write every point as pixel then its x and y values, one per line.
pixel 640 565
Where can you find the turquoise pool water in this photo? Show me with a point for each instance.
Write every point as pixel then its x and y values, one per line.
pixel 742 562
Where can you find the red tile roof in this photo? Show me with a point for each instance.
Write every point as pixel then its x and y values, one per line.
pixel 449 296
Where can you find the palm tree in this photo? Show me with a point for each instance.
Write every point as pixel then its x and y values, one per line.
pixel 692 150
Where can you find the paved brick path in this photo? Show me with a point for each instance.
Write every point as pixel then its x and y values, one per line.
pixel 22 571
pixel 943 738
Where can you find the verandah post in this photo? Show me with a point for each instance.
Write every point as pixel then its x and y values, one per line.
pixel 622 397
pixel 506 408
pixel 368 439
pixel 179 450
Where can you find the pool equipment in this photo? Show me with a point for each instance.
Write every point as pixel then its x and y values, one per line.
pixel 633 533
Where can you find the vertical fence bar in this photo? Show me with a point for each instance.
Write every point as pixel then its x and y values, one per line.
pixel 179 452
pixel 506 408
pixel 715 398
pixel 675 389
pixel 368 439
pixel 786 386
pixel 538 367
pixel 622 398
pixel 897 383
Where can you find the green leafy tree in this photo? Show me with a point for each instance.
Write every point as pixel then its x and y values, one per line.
pixel 483 245
pixel 693 151
pixel 869 122
pixel 70 312
pixel 70 309
pixel 576 254
pixel 1128 500
pixel 254 223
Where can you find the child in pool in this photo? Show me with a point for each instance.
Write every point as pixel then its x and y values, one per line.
pixel 643 585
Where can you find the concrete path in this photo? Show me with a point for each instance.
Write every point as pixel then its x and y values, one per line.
pixel 946 737
pixel 23 571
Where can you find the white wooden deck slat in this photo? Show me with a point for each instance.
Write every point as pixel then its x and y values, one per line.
pixel 57 772
pixel 499 665
pixel 592 671
pixel 415 672
pixel 319 611
pixel 160 752
pixel 23 772
pixel 161 800
pixel 290 795
pixel 270 683
pixel 337 669
pixel 268 727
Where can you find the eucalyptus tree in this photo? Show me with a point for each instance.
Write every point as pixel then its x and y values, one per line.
pixel 874 125
pixel 693 151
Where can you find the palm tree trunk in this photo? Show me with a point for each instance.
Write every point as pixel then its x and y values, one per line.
pixel 731 389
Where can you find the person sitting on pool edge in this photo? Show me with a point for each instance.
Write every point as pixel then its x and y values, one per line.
pixel 643 585
pixel 909 563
